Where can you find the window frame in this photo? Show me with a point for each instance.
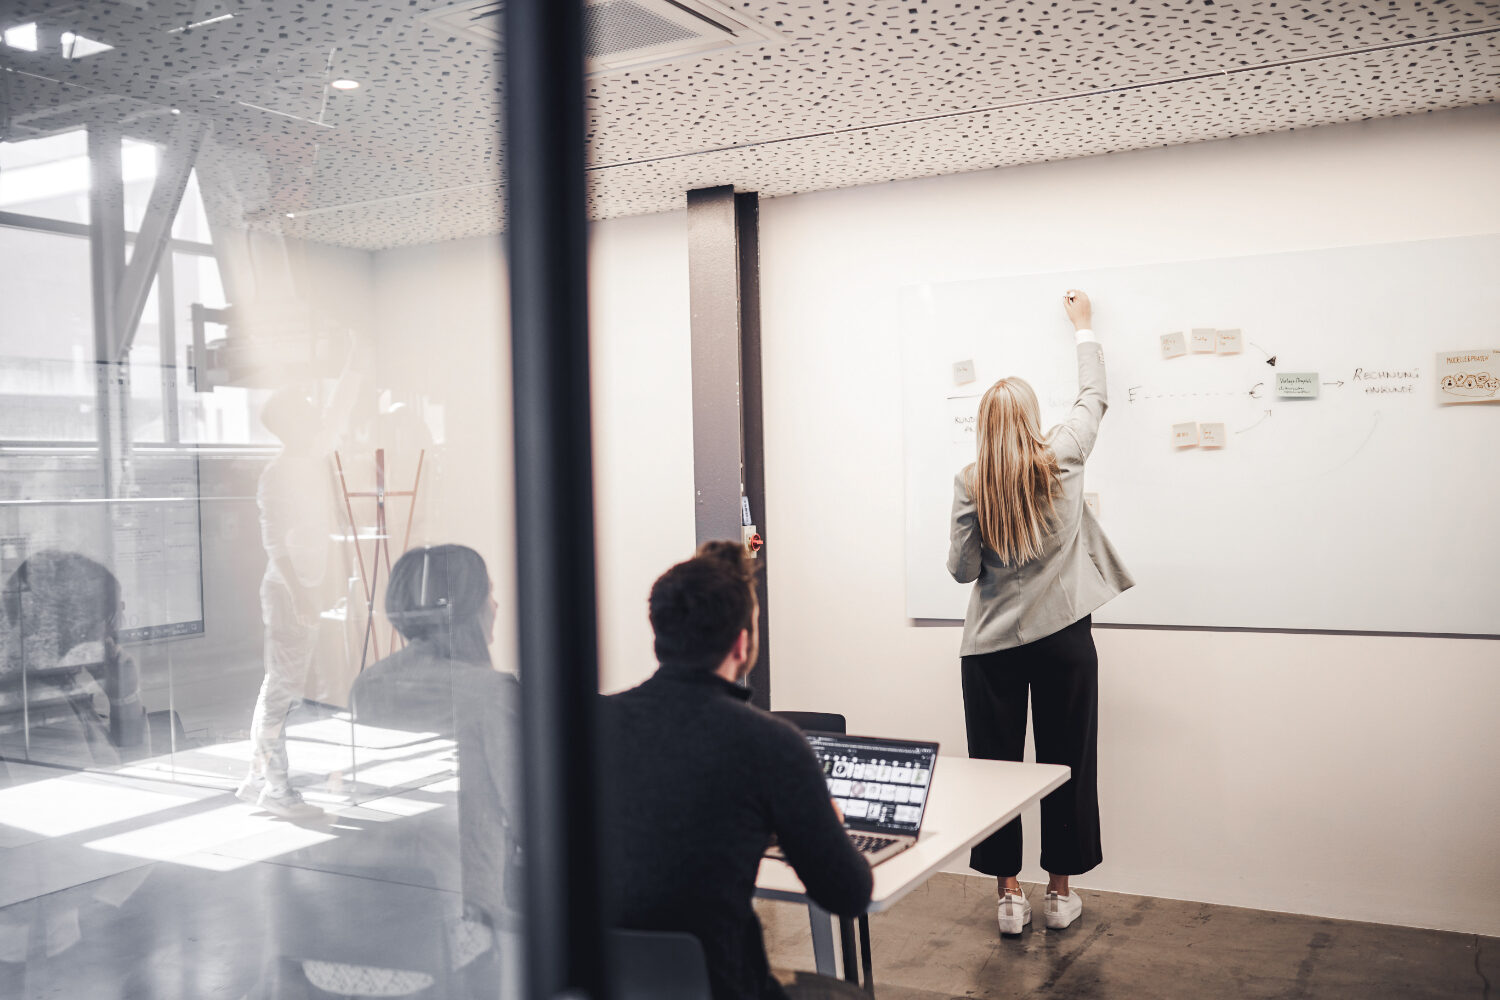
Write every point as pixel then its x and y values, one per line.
pixel 167 325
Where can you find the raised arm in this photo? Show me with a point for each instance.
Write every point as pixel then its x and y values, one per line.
pixel 1088 409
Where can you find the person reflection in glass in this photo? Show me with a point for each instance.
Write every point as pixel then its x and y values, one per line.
pixel 68 695
pixel 443 683
pixel 297 524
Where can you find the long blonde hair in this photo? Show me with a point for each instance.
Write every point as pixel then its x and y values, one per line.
pixel 1015 479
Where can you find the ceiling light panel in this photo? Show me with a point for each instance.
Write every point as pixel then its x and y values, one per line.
pixel 627 34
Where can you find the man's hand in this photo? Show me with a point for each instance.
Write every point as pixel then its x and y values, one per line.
pixel 837 811
pixel 1079 309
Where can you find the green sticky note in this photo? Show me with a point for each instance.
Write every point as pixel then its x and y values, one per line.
pixel 1297 385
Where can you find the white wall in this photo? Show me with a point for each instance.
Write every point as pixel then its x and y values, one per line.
pixel 1338 775
pixel 643 427
pixel 1317 774
pixel 443 342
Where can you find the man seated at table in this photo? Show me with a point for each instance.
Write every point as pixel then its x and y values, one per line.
pixel 698 781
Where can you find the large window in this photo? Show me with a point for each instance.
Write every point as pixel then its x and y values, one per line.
pixel 48 360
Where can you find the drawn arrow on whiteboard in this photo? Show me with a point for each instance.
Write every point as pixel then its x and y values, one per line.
pixel 1255 391
pixel 1338 383
pixel 1270 358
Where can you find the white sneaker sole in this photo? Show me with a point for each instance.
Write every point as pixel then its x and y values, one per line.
pixel 1058 921
pixel 1016 923
pixel 307 813
pixel 300 810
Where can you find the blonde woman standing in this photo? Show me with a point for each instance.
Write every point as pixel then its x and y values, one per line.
pixel 1040 566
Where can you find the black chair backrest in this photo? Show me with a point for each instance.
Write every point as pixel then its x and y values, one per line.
pixel 658 965
pixel 818 722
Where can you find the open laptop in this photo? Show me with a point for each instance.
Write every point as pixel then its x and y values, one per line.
pixel 881 786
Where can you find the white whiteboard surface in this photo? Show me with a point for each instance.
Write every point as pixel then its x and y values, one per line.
pixel 1370 508
pixel 150 539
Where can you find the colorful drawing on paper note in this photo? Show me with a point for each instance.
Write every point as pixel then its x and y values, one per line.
pixel 1468 376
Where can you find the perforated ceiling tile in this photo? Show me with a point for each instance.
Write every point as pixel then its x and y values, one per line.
pixel 846 64
pixel 1321 93
pixel 412 156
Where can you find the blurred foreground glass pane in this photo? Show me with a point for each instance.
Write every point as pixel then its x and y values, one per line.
pixel 258 713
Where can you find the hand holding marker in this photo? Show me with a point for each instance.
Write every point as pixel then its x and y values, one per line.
pixel 1078 308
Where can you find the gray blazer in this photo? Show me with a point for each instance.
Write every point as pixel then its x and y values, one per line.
pixel 1078 570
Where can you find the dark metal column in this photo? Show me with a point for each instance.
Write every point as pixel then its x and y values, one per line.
pixel 714 294
pixel 752 416
pixel 728 446
pixel 544 156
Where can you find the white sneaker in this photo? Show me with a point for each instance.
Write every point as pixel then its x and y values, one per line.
pixel 288 804
pixel 250 789
pixel 1015 913
pixel 1062 910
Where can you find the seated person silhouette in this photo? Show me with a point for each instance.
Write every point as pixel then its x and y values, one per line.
pixel 697 781
pixel 68 695
pixel 443 682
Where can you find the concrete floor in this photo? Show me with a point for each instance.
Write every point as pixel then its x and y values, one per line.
pixel 941 942
pixel 116 887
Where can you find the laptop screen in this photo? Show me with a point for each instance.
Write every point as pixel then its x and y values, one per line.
pixel 881 785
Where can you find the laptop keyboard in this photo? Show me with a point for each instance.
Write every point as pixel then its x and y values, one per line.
pixel 867 844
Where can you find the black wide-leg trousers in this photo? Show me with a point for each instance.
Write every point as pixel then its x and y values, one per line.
pixel 1061 674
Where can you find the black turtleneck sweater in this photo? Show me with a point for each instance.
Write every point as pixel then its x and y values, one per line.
pixel 696 782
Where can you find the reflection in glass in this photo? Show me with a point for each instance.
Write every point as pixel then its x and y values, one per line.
pixel 297 523
pixel 68 695
pixel 209 514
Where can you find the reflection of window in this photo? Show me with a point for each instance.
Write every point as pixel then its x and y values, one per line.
pixel 46 337
pixel 48 361
pixel 192 221
pixel 49 178
pixel 228 414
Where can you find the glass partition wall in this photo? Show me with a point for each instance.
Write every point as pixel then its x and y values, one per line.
pixel 259 698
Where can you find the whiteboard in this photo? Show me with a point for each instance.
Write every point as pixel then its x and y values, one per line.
pixel 150 539
pixel 1373 507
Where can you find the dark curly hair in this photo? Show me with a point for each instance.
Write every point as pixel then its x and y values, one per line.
pixel 699 606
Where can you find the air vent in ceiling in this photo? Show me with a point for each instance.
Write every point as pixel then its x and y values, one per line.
pixel 626 34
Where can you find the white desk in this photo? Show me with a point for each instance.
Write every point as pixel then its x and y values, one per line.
pixel 968 801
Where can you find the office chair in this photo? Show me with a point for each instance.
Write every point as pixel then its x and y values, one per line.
pixel 832 722
pixel 658 965
pixel 818 722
